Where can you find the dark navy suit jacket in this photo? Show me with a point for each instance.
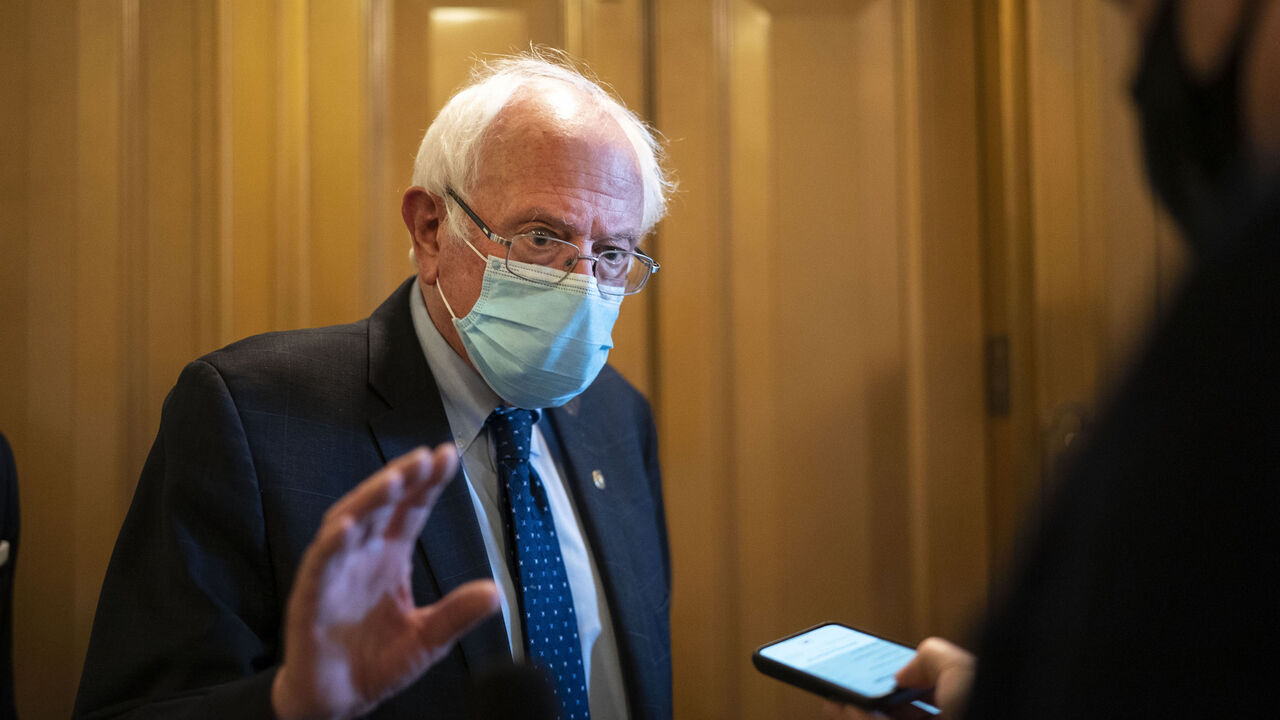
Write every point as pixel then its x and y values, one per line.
pixel 258 439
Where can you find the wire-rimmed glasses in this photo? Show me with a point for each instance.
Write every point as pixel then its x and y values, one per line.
pixel 617 272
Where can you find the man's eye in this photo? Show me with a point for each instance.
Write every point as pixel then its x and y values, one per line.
pixel 541 238
pixel 613 258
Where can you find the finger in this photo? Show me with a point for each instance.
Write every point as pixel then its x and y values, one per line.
pixel 947 668
pixel 374 491
pixel 915 674
pixel 422 490
pixel 444 465
pixel 441 624
pixel 334 536
pixel 933 657
pixel 353 519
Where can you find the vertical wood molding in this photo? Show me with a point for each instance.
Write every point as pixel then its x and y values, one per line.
pixel 957 480
pixel 751 279
pixel 1013 441
pixel 293 167
pixel 910 211
pixel 1065 351
pixel 338 161
pixel 1095 241
pixel 946 457
pixel 223 51
pixel 45 586
pixel 15 56
pixel 408 114
pixel 691 305
pixel 134 300
pixel 106 315
pixel 381 207
pixel 1089 184
pixel 210 190
pixel 574 33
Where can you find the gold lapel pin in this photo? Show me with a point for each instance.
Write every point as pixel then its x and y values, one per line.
pixel 597 477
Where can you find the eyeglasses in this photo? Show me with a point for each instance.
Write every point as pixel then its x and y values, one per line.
pixel 617 272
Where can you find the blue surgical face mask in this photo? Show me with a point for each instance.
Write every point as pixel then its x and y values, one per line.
pixel 536 345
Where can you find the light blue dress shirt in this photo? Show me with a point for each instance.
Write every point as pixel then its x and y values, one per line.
pixel 468 400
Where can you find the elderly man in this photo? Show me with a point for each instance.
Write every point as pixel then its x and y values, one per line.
pixel 250 578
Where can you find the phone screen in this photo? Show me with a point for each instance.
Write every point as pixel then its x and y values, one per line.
pixel 865 664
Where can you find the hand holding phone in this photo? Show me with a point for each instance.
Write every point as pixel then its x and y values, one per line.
pixel 843 664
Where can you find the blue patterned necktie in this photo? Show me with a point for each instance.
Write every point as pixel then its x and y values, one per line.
pixel 546 601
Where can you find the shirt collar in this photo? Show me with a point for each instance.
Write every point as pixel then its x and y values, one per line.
pixel 467 398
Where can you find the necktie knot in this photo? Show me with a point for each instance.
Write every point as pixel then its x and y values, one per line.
pixel 512 429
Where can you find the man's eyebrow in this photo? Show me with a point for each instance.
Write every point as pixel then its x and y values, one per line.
pixel 545 217
pixel 548 218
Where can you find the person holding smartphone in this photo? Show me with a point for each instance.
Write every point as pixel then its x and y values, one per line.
pixel 1148 588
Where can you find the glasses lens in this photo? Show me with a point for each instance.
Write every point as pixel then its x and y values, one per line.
pixel 618 272
pixel 623 273
pixel 613 270
pixel 556 255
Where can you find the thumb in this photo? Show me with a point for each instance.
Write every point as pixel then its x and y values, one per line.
pixel 943 666
pixel 933 657
pixel 456 613
pixel 917 674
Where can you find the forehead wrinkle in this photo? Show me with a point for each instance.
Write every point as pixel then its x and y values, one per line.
pixel 543 215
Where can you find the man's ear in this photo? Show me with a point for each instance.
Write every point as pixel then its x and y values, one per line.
pixel 422 213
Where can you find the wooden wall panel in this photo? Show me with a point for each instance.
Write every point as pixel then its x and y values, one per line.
pixel 1066 341
pixel 45 585
pixel 756 248
pixel 1103 256
pixel 103 319
pixel 844 345
pixel 840 385
pixel 14 110
pixel 948 489
pixel 249 41
pixel 1079 261
pixel 169 263
pixel 409 112
pixel 692 340
pixel 337 163
pixel 1013 433
pixel 297 229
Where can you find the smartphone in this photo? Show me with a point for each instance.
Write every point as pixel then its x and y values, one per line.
pixel 843 664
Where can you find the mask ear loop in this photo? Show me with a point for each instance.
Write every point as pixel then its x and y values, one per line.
pixel 447 306
pixel 440 292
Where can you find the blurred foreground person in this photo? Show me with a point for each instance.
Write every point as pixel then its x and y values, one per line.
pixel 1149 589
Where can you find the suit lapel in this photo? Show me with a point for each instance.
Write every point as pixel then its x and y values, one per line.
pixel 581 447
pixel 451 546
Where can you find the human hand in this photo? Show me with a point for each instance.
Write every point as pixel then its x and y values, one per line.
pixel 938 664
pixel 353 636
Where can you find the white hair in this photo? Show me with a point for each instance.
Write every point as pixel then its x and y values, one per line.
pixel 449 155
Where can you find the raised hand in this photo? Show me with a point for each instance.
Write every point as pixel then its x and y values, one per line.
pixel 353 636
